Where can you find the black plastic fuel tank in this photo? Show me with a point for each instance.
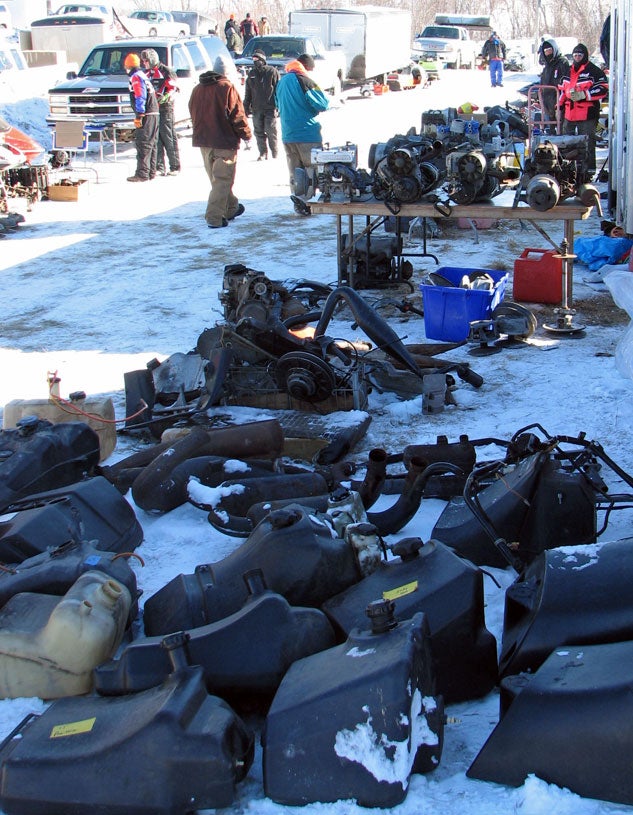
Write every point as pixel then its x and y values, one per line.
pixel 296 553
pixel 55 570
pixel 431 578
pixel 355 721
pixel 165 751
pixel 242 656
pixel 39 455
pixel 91 510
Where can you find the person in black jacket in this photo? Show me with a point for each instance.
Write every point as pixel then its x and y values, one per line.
pixel 494 51
pixel 555 67
pixel 165 85
pixel 259 102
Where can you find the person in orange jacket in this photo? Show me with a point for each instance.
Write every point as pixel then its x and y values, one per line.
pixel 581 92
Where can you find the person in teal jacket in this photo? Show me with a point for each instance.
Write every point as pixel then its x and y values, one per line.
pixel 299 101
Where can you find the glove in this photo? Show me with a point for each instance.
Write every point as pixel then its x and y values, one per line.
pixel 577 96
pixel 138 122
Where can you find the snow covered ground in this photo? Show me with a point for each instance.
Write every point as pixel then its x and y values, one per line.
pixel 100 287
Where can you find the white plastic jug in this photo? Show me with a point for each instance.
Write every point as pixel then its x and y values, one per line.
pixel 49 645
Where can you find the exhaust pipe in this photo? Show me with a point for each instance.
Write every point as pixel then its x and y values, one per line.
pixel 153 489
pixel 375 477
pixel 372 324
pixel 397 516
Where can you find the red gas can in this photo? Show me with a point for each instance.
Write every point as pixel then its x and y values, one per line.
pixel 538 277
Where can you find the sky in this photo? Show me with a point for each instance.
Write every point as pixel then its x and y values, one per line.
pixel 97 288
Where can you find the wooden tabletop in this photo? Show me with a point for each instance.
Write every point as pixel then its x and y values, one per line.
pixel 499 208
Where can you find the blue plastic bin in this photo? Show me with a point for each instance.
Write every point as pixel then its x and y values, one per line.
pixel 448 311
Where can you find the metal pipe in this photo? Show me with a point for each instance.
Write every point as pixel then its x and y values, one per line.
pixel 397 516
pixel 372 324
pixel 152 490
pixel 375 477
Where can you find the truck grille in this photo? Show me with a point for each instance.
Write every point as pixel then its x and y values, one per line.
pixel 93 106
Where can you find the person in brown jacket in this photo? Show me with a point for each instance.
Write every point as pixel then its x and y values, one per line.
pixel 219 124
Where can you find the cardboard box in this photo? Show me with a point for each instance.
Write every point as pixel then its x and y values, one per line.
pixel 75 191
pixel 482 118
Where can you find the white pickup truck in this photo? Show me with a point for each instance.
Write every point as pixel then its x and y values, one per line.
pixel 156 24
pixel 449 44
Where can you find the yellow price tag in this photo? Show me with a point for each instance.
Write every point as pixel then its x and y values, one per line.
pixel 401 591
pixel 72 728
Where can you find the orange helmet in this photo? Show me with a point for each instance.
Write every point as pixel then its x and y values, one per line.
pixel 132 61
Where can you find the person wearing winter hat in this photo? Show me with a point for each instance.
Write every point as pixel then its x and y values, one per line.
pixel 555 67
pixel 165 85
pixel 248 28
pixel 259 102
pixel 494 51
pixel 145 107
pixel 233 36
pixel 299 101
pixel 219 124
pixel 581 90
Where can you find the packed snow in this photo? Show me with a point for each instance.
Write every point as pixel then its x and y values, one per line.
pixel 98 288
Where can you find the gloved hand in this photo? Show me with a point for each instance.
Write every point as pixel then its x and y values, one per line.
pixel 138 122
pixel 577 96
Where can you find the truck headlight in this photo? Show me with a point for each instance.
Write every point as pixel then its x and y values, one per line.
pixel 58 109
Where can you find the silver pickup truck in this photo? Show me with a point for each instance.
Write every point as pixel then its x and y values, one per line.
pixel 449 44
pixel 99 93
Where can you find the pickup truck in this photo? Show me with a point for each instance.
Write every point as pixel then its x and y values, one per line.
pixel 280 49
pixel 156 24
pixel 99 94
pixel 450 45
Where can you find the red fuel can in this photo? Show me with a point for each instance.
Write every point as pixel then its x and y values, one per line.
pixel 538 277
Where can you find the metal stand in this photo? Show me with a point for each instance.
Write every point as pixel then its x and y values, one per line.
pixel 564 315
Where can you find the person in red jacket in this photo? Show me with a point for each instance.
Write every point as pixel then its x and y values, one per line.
pixel 581 90
pixel 219 124
pixel 248 28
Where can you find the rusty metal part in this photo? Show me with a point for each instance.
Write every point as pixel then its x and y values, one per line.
pixel 398 516
pixel 375 477
pixel 152 490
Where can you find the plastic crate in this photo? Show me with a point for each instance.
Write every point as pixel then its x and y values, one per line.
pixel 449 311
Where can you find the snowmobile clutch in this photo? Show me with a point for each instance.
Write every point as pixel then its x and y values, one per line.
pixel 305 376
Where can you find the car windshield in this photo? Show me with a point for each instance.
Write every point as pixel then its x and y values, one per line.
pixel 440 31
pixel 277 48
pixel 110 60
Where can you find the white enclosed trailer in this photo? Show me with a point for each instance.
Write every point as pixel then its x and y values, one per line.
pixel 621 114
pixel 375 40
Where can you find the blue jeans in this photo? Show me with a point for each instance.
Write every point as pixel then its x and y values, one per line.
pixel 496 72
